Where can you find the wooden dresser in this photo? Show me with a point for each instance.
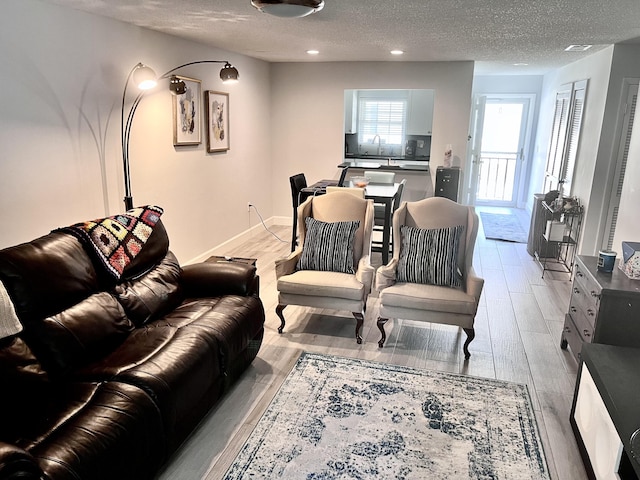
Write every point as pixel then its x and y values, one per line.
pixel 604 308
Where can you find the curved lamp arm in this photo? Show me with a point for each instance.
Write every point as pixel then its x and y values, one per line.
pixel 228 74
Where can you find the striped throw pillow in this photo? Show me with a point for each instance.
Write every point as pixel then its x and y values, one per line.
pixel 430 256
pixel 328 247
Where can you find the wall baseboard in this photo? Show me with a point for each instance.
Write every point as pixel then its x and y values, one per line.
pixel 234 242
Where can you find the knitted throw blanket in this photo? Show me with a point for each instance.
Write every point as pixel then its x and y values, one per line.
pixel 117 240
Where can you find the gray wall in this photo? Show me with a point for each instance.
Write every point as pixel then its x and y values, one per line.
pixel 307 121
pixel 63 72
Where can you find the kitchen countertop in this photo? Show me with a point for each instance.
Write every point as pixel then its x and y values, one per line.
pixel 379 166
pixel 360 156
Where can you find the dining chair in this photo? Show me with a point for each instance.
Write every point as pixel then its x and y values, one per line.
pixel 332 270
pixel 357 191
pixel 431 277
pixel 297 182
pixel 380 177
pixel 379 218
pixel 343 176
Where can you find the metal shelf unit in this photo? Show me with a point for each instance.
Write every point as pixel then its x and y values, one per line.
pixel 558 254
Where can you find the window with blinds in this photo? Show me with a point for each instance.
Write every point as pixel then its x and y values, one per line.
pixel 384 117
pixel 565 136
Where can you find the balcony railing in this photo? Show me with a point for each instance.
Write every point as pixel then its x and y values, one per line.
pixel 497 176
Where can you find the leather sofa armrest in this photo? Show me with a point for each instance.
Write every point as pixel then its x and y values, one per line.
pixel 212 279
pixel 16 463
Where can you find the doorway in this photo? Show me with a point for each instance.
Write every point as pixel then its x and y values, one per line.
pixel 500 131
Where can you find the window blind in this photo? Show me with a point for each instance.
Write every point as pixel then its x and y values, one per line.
pixel 386 118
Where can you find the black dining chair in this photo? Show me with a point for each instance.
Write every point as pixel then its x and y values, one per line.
pixel 343 176
pixel 378 219
pixel 298 182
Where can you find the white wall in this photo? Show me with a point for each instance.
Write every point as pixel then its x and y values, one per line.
pixel 628 226
pixel 62 73
pixel 307 119
pixel 595 68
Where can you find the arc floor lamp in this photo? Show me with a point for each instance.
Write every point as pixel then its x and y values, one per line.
pixel 145 78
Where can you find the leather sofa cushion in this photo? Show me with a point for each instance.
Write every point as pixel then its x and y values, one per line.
pixel 86 430
pixel 235 321
pixel 47 275
pixel 150 296
pixel 178 367
pixel 79 334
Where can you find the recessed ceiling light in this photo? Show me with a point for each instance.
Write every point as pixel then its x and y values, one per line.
pixel 577 48
pixel 396 52
pixel 313 52
pixel 520 64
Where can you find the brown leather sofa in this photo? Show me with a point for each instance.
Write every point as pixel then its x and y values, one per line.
pixel 107 378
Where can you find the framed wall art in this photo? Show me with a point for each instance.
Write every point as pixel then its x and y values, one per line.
pixel 217 105
pixel 186 114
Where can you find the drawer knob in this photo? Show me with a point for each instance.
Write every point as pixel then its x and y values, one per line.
pixel 594 294
pixel 579 273
pixel 567 330
pixel 586 333
pixel 575 290
pixel 591 313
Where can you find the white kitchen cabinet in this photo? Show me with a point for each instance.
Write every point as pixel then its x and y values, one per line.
pixel 350 111
pixel 420 115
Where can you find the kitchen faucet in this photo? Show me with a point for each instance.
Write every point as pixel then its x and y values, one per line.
pixel 374 141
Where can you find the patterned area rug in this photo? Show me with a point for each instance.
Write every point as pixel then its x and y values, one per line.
pixel 503 227
pixel 340 418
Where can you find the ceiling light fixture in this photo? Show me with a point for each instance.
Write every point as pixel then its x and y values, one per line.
pixel 288 8
pixel 577 48
pixel 396 52
pixel 313 52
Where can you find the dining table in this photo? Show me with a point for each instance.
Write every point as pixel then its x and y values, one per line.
pixel 380 193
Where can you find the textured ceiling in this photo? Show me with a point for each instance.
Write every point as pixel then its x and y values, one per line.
pixel 494 33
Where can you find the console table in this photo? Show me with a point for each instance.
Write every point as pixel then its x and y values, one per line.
pixel 605 414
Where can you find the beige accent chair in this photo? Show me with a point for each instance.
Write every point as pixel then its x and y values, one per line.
pixel 357 191
pixel 332 290
pixel 380 177
pixel 431 303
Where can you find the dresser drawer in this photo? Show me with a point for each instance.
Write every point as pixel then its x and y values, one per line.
pixel 586 283
pixel 583 305
pixel 571 334
pixel 583 325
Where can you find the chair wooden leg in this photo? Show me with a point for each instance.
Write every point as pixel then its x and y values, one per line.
pixel 471 334
pixel 279 310
pixel 359 321
pixel 381 322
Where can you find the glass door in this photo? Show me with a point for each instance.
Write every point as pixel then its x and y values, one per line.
pixel 500 128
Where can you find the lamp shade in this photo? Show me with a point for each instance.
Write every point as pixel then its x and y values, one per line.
pixel 288 8
pixel 144 77
pixel 229 74
pixel 177 86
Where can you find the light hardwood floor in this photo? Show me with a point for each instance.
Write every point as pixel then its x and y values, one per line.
pixel 518 330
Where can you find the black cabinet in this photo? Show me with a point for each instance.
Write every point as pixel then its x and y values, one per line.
pixel 448 182
pixel 603 308
pixel 604 415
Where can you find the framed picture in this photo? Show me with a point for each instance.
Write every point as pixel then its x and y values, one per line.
pixel 186 114
pixel 217 121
